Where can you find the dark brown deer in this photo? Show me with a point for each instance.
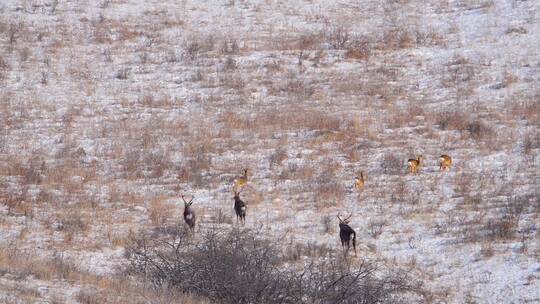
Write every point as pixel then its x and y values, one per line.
pixel 239 208
pixel 189 214
pixel 345 233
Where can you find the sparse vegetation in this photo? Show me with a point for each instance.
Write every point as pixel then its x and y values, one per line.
pixel 110 110
pixel 238 267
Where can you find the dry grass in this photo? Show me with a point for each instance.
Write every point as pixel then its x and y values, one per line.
pixel 159 211
pixel 92 288
pixel 154 105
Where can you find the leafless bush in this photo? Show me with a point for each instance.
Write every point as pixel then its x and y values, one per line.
pixel 396 39
pixel 458 71
pixel 452 120
pixel 238 267
pixel 4 68
pixel 14 32
pixel 297 86
pixel 338 37
pixel 391 164
pixel 229 47
pixel 230 64
pixel 86 296
pixel 71 222
pixel 504 225
pixel 44 78
pixel 308 41
pixel 531 141
pixel 359 48
pixel 294 251
pixel 375 228
pixel 462 121
pixel 429 38
pixel 479 130
pixel 54 5
pixel 122 74
pixel 195 46
pixel 278 157
pixel 516 30
pixel 24 54
pixel 328 222
pixel 131 163
pixel 223 217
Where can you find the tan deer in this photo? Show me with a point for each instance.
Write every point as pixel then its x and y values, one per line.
pixel 241 181
pixel 414 164
pixel 359 181
pixel 445 161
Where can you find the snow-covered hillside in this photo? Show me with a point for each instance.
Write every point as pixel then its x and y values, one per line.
pixel 112 109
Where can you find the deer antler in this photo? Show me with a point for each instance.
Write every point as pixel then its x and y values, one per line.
pixel 190 202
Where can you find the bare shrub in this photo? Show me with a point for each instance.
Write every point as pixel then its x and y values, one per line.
pixel 395 39
pixel 44 80
pixel 308 41
pixel 531 141
pixel 131 163
pixel 238 267
pixel 14 32
pixel 4 68
pixel 86 296
pixel 229 47
pixel 429 38
pixel 359 48
pixel 504 225
pixel 278 157
pixel 122 74
pixel 479 130
pixel 223 217
pixel 71 222
pixel 230 64
pixel 391 164
pixel 375 228
pixel 458 71
pixel 196 45
pixel 338 37
pixel 462 121
pixel 328 222
pixel 297 86
pixel 454 120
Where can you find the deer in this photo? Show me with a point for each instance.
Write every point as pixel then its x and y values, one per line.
pixel 239 208
pixel 359 181
pixel 189 214
pixel 414 164
pixel 345 232
pixel 241 181
pixel 445 162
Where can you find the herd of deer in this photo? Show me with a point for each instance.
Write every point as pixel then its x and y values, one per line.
pixel 346 233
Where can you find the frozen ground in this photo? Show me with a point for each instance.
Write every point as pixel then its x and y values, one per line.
pixel 109 110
